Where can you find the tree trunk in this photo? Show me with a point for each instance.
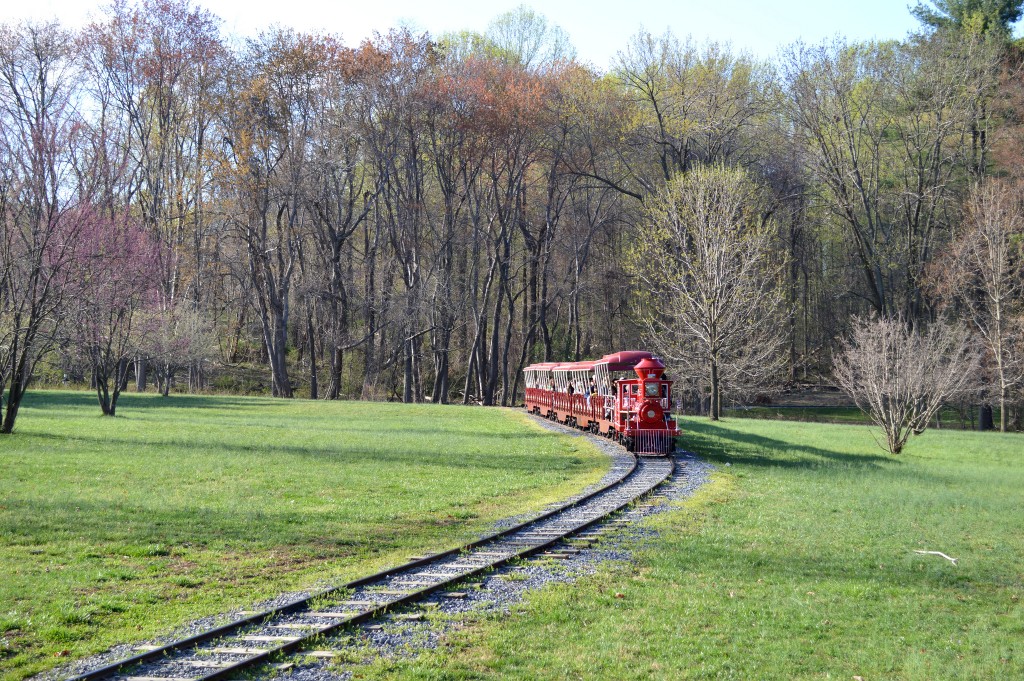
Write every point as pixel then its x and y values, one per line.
pixel 313 388
pixel 196 377
pixel 276 334
pixel 715 402
pixel 14 396
pixel 443 379
pixel 407 373
pixel 103 396
pixel 337 364
pixel 439 394
pixel 985 417
pixel 140 374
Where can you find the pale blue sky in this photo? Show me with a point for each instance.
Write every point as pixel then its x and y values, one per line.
pixel 598 28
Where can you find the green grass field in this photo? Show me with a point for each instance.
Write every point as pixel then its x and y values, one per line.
pixel 796 562
pixel 115 530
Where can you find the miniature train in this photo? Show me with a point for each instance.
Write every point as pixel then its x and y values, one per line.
pixel 624 396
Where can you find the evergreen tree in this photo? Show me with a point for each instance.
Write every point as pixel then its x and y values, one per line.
pixel 975 16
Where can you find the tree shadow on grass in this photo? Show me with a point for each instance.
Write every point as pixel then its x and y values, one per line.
pixel 720 444
pixel 376 450
pixel 70 399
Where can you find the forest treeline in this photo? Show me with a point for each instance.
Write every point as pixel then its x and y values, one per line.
pixel 418 217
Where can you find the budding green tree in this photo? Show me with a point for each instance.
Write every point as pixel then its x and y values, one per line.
pixel 708 276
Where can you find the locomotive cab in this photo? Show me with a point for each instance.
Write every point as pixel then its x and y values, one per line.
pixel 644 404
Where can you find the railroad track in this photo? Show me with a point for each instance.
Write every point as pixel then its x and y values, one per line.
pixel 273 634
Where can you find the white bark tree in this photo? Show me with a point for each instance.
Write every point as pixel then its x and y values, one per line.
pixel 901 376
pixel 712 302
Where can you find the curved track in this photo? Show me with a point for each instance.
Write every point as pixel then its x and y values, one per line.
pixel 272 634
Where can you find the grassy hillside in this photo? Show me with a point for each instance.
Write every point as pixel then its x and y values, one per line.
pixel 797 562
pixel 114 530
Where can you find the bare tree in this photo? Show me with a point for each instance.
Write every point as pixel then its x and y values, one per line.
pixel 275 87
pixel 38 133
pixel 983 275
pixel 901 376
pixel 712 302
pixel 174 338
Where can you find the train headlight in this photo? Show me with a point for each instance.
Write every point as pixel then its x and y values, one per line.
pixel 650 414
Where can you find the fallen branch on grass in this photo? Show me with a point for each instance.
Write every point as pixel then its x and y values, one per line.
pixel 937 553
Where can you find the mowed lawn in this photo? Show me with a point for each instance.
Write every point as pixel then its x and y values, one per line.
pixel 796 562
pixel 115 530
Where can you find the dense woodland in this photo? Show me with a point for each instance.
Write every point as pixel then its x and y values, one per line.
pixel 418 217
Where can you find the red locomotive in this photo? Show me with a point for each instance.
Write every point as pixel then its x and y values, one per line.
pixel 624 396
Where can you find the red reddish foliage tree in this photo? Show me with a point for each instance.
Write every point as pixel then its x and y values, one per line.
pixel 115 277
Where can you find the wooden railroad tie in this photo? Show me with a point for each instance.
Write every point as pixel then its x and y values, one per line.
pixel 435 575
pixel 240 651
pixel 206 664
pixel 465 566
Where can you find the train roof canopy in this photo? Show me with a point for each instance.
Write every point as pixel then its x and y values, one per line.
pixel 625 360
pixel 542 366
pixel 618 361
pixel 574 366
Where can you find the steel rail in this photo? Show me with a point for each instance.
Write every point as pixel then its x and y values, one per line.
pixel 118 667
